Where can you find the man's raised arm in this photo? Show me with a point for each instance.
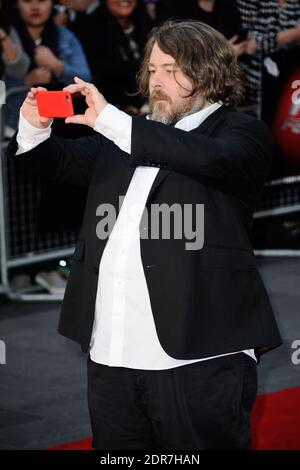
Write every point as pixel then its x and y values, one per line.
pixel 40 152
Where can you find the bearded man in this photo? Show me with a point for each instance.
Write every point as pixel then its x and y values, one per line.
pixel 173 329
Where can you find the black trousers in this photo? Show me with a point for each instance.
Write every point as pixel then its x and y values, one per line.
pixel 202 405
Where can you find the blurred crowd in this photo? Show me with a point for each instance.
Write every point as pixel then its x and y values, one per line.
pixel 45 42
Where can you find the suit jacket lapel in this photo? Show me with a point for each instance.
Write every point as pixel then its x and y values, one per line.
pixel 202 128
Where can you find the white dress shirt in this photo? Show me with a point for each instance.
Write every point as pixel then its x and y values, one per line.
pixel 124 332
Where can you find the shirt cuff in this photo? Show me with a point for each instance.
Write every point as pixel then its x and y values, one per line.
pixel 30 136
pixel 115 125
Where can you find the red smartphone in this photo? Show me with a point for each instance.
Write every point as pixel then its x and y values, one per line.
pixel 55 104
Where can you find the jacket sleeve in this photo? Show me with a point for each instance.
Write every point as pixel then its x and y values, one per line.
pixel 60 160
pixel 237 160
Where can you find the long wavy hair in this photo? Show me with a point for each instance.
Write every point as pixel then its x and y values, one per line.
pixel 203 54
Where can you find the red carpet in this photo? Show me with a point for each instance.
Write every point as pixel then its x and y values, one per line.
pixel 275 423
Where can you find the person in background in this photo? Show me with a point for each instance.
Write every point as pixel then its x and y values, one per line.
pixel 273 60
pixel 69 11
pixel 54 52
pixel 83 17
pixel 13 60
pixel 173 332
pixel 151 8
pixel 223 15
pixel 166 9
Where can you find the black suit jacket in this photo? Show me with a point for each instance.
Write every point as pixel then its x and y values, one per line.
pixel 205 302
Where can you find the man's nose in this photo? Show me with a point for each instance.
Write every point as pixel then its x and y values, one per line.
pixel 157 80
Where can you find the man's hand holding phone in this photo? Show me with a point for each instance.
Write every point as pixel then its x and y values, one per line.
pixel 56 107
pixel 94 100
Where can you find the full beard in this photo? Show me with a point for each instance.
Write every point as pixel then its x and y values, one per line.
pixel 159 110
